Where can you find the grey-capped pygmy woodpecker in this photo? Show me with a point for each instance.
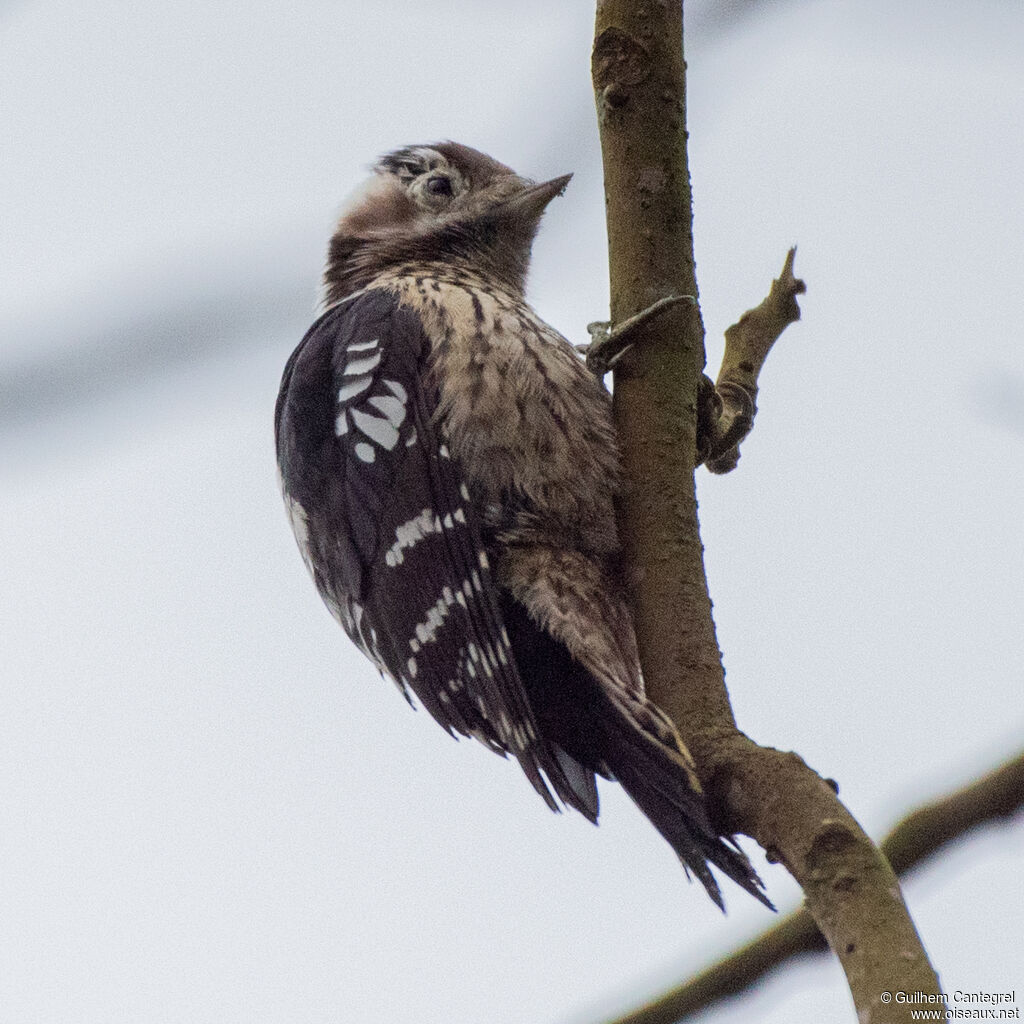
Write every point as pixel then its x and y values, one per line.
pixel 449 466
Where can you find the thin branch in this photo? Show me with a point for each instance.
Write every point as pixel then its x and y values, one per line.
pixel 995 797
pixel 639 84
pixel 998 795
pixel 747 344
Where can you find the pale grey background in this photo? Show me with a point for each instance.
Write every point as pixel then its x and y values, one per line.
pixel 211 809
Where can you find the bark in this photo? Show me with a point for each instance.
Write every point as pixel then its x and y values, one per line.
pixel 920 835
pixel 639 83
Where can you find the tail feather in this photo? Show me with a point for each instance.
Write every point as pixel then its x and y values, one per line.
pixel 658 782
pixel 581 782
pixel 618 733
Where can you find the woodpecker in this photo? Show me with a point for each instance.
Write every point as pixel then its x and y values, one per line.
pixel 449 467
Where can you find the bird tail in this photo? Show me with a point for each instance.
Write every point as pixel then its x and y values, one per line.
pixel 660 781
pixel 595 723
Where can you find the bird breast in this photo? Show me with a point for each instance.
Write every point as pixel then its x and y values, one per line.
pixel 529 424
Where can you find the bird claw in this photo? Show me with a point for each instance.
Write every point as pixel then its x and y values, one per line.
pixel 606 347
pixel 609 344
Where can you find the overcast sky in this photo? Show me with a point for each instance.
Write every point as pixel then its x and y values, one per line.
pixel 211 808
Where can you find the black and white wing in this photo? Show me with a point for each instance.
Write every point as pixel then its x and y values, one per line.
pixel 387 528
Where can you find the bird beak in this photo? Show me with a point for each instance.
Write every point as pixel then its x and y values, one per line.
pixel 532 201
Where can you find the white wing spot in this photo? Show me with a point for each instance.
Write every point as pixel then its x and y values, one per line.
pixel 355 609
pixel 341 424
pixel 300 527
pixel 365 451
pixel 376 429
pixel 391 407
pixel 397 390
pixel 464 491
pixel 426 631
pixel 363 346
pixel 364 365
pixel 350 389
pixel 460 516
pixel 411 666
pixel 412 439
pixel 408 535
pixel 504 727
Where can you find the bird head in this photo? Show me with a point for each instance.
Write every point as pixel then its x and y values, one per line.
pixel 443 204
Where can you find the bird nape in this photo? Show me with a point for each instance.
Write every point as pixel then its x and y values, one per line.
pixel 450 468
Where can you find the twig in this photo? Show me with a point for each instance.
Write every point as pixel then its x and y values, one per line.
pixel 921 834
pixel 747 344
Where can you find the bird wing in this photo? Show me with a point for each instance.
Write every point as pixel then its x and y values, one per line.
pixel 388 531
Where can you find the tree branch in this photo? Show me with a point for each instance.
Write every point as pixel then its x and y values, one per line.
pixel 747 344
pixel 922 833
pixel 639 83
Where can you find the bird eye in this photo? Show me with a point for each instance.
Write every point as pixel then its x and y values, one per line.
pixel 439 185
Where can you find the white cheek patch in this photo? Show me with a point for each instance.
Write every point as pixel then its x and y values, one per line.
pixel 362 208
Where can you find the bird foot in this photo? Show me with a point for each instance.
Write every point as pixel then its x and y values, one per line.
pixel 609 344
